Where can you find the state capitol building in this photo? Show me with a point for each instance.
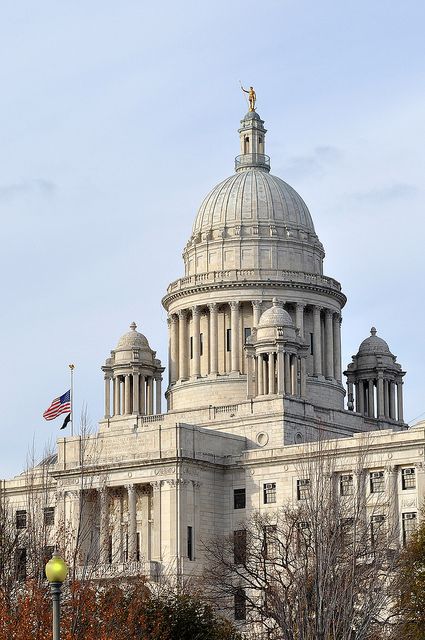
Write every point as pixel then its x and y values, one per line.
pixel 255 379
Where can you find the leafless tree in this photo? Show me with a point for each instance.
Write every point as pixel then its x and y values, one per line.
pixel 320 567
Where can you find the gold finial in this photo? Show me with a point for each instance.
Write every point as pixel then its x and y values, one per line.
pixel 252 96
pixel 71 366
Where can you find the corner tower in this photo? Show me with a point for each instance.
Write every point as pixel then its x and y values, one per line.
pixel 253 240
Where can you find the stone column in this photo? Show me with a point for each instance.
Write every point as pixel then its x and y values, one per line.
pixel 361 396
pixel 337 346
pixel 234 327
pixel 158 393
pixel 107 396
pixel 265 376
pixel 317 342
pixel 260 385
pixel 271 373
pixel 183 360
pixel 132 523
pixel 250 391
pixel 294 375
pixel 156 512
pixel 149 395
pixel 117 396
pixel 400 400
pixel 287 373
pixel 329 353
pixel 196 340
pixel 174 348
pixel 303 378
pixel 371 399
pixel 213 307
pixel 380 396
pixel 299 318
pixel 392 400
pixel 127 394
pixel 256 313
pixel 103 495
pixel 280 372
pixel 350 396
pixel 145 546
pixel 142 395
pixel 386 399
pixel 136 393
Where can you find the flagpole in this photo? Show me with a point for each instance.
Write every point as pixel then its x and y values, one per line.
pixel 72 367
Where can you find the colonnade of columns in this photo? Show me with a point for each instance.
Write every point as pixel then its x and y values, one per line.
pixel 185 345
pixel 278 372
pixel 378 397
pixel 137 544
pixel 132 393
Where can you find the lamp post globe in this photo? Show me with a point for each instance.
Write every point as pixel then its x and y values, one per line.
pixel 56 572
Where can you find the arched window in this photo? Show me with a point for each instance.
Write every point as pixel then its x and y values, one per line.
pixel 246 144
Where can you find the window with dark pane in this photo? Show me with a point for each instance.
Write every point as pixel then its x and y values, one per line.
pixel 408 478
pixel 21 519
pixel 302 488
pixel 269 492
pixel 49 516
pixel 239 498
pixel 346 484
pixel 240 605
pixel 408 526
pixel 377 482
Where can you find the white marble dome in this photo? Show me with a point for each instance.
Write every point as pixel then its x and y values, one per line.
pixel 253 197
pixel 132 340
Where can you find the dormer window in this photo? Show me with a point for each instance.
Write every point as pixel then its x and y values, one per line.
pixel 246 144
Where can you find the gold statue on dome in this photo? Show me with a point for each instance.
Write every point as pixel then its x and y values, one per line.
pixel 252 97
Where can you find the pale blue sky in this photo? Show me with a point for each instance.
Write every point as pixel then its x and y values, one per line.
pixel 117 119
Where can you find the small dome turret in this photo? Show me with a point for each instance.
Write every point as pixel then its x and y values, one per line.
pixel 136 376
pixel 375 385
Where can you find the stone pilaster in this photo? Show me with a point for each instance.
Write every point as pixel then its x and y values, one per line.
pixel 256 313
pixel 183 340
pixel 329 347
pixel 136 393
pixel 271 373
pixel 235 342
pixel 132 522
pixel 104 504
pixel 299 318
pixel 337 346
pixel 213 338
pixel 317 342
pixel 174 348
pixel 107 396
pixel 196 341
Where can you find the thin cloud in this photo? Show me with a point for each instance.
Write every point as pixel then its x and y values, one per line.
pixel 37 186
pixel 316 163
pixel 396 191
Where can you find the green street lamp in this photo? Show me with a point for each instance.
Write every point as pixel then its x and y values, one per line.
pixel 56 572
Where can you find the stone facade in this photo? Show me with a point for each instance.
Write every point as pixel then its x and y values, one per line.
pixel 254 378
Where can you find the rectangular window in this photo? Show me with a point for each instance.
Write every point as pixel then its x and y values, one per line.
pixel 377 528
pixel 239 546
pixel 240 605
pixel 269 492
pixel 271 544
pixel 138 546
pixel 239 498
pixel 21 519
pixel 228 340
pixel 49 516
pixel 21 563
pixel 409 526
pixel 191 347
pixel 303 534
pixel 246 333
pixel 190 543
pixel 346 484
pixel 302 488
pixel 125 554
pixel 408 478
pixel 311 344
pixel 201 344
pixel 377 482
pixel 110 549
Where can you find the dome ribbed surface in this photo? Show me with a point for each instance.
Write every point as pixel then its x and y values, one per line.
pixel 132 340
pixel 374 344
pixel 253 196
pixel 276 316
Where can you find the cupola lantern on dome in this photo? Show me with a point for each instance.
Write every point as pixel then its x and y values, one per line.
pixel 375 381
pixel 135 374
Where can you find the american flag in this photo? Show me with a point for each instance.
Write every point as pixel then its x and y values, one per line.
pixel 58 406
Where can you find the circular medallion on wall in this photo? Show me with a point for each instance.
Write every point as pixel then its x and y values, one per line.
pixel 262 438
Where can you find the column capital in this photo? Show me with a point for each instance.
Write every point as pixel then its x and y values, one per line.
pixel 234 304
pixel 172 319
pixel 196 310
pixel 300 305
pixel 213 306
pixel 182 313
pixel 256 304
pixel 130 487
pixel 108 375
pixel 329 312
pixel 317 309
